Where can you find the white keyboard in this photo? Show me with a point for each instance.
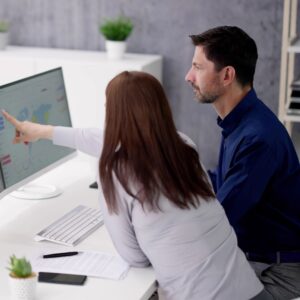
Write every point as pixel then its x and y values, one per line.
pixel 73 227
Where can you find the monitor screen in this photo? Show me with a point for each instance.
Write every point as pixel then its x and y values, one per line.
pixel 42 99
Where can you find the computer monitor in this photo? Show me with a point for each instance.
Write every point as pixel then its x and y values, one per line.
pixel 40 98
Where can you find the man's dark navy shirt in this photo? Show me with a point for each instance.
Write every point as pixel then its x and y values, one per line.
pixel 258 178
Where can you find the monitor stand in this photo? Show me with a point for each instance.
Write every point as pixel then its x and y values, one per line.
pixel 36 191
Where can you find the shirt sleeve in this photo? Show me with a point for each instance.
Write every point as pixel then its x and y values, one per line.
pixel 246 179
pixel 87 140
pixel 121 229
pixel 119 226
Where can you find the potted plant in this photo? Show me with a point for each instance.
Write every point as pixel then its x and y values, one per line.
pixel 22 279
pixel 116 32
pixel 3 34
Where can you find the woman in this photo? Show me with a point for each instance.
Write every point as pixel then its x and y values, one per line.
pixel 158 205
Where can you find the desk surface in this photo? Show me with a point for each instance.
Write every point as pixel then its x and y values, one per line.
pixel 20 220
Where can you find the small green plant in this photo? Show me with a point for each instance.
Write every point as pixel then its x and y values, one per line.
pixel 19 267
pixel 116 30
pixel 3 26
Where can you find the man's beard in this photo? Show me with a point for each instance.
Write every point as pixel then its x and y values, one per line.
pixel 204 98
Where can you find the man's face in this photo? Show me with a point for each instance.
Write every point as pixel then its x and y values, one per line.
pixel 204 79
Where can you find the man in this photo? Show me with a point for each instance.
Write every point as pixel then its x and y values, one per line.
pixel 257 179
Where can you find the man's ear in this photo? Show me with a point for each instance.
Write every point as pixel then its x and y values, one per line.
pixel 228 75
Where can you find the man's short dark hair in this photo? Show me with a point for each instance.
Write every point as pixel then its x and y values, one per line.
pixel 229 46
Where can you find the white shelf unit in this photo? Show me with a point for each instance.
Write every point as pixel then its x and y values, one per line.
pixel 86 75
pixel 290 48
pixel 295 46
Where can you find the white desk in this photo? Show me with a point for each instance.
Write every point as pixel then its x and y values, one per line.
pixel 21 219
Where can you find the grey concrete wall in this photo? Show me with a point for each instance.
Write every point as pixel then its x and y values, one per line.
pixel 161 27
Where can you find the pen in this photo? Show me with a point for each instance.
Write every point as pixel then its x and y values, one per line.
pixel 62 254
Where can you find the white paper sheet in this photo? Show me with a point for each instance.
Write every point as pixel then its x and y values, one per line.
pixel 90 263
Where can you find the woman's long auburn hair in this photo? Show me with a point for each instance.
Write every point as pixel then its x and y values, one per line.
pixel 142 146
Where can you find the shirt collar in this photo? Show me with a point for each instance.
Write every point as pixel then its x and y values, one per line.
pixel 230 122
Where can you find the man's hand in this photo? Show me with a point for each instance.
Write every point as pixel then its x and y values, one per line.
pixel 27 131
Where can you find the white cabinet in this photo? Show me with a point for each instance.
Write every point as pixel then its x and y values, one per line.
pixel 86 75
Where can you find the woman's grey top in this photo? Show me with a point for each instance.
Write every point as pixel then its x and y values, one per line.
pixel 194 251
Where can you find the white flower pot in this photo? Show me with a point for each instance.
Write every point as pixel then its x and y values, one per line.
pixel 3 40
pixel 23 288
pixel 115 49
